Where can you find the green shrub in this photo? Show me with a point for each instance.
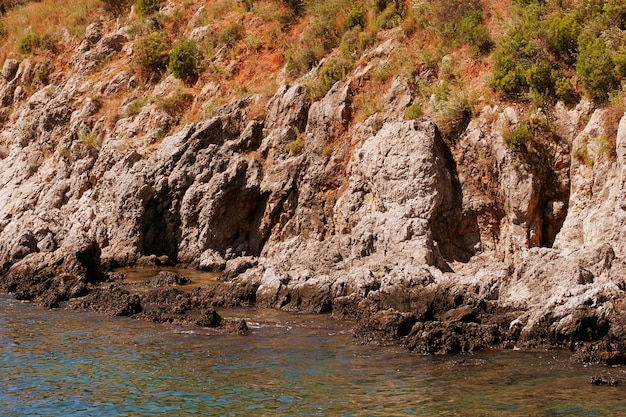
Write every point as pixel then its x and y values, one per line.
pixel 328 24
pixel 147 7
pixel 28 43
pixel 297 145
pixel 587 37
pixel 563 89
pixel 382 5
pixel 331 71
pixel 414 111
pixel 614 12
pixel 49 41
pixel 472 29
pixel 389 18
pixel 175 103
pixel 152 53
pixel 521 52
pixel 353 43
pixel 514 57
pixel 454 115
pixel 297 6
pixel 88 136
pixel 517 138
pixel 185 59
pixel 607 146
pixel 459 20
pixel 596 69
pixel 540 77
pixel 563 33
pixel 135 107
pixel 582 155
pixel 619 57
pixel 356 17
pixel 301 59
pixel 43 74
pixel 452 110
pixel 285 19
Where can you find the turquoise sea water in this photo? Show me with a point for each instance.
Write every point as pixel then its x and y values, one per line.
pixel 67 363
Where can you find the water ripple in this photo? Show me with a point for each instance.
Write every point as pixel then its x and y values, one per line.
pixel 63 363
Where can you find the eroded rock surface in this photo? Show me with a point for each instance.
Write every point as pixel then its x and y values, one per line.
pixel 445 246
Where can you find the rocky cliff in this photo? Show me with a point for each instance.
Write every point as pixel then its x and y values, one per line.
pixel 446 243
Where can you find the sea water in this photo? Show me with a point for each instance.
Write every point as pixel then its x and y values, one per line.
pixel 69 363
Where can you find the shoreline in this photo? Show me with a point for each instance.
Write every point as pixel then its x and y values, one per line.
pixel 452 329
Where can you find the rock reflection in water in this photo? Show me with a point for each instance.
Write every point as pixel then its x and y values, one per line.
pixel 64 363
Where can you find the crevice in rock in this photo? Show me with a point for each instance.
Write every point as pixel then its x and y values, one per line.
pixel 555 193
pixel 554 213
pixel 456 234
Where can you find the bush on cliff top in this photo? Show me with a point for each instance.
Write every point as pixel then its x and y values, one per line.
pixel 117 7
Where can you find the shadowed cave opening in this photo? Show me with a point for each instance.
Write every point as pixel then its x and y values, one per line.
pixel 236 222
pixel 160 227
pixel 234 225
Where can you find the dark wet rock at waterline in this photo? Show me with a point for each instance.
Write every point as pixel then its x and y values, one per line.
pixel 603 380
pixel 209 318
pixel 113 300
pixel 168 278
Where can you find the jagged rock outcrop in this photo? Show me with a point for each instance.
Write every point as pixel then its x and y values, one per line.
pixel 447 246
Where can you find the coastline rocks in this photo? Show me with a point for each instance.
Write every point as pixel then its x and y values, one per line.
pixel 50 278
pixel 452 337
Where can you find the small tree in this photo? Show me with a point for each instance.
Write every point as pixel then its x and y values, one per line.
pixel 596 69
pixel 185 59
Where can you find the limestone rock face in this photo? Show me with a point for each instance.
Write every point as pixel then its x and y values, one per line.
pixel 448 244
pixel 596 212
pixel 398 185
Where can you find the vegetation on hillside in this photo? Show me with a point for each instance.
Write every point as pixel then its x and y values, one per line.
pixel 454 53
